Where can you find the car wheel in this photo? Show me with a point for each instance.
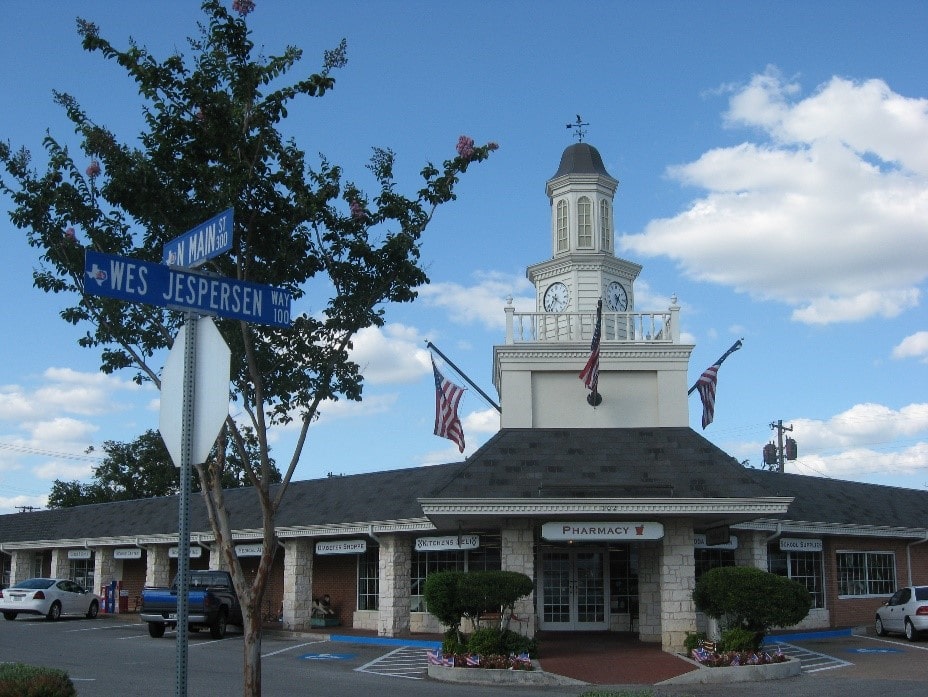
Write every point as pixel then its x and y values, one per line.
pixel 93 610
pixel 10 615
pixel 217 630
pixel 54 612
pixel 880 630
pixel 156 630
pixel 910 632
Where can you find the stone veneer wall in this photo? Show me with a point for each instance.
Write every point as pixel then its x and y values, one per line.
pixel 677 581
pixel 298 583
pixel 518 554
pixel 395 567
pixel 752 549
pixel 106 569
pixel 158 571
pixel 649 592
pixel 59 563
pixel 21 565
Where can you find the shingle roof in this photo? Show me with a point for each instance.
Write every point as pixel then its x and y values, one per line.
pixel 514 463
pixel 581 158
pixel 830 501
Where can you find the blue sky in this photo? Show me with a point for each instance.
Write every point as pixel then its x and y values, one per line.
pixel 773 160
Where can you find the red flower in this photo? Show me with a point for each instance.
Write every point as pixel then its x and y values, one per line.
pixel 93 169
pixel 243 7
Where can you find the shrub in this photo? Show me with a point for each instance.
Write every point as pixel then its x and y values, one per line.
pixel 751 599
pixel 451 595
pixel 738 639
pixel 693 640
pixel 492 641
pixel 21 680
pixel 453 643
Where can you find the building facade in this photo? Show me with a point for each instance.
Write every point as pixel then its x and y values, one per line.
pixel 607 500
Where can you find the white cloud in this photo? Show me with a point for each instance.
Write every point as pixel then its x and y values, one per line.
pixel 392 354
pixel 482 302
pixel 826 214
pixel 913 346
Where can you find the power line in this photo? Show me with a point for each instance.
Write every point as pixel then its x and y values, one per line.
pixel 48 453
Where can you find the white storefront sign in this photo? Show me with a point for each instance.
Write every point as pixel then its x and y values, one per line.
pixel 602 531
pixel 342 547
pixel 130 553
pixel 248 550
pixel 797 544
pixel 78 554
pixel 699 542
pixel 436 544
pixel 195 552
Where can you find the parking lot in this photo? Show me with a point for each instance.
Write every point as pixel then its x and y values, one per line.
pixel 111 657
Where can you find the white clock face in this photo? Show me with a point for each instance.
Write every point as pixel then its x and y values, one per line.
pixel 616 297
pixel 556 297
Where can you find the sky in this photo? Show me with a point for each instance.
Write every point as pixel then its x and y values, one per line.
pixel 773 168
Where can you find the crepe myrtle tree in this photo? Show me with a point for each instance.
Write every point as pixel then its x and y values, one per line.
pixel 210 141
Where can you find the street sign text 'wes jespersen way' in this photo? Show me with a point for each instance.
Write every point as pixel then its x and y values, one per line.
pixel 134 280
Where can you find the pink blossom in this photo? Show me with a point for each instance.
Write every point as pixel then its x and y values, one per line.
pixel 70 235
pixel 357 210
pixel 200 116
pixel 93 169
pixel 465 147
pixel 243 7
pixel 492 146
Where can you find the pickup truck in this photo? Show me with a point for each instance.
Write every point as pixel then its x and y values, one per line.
pixel 211 603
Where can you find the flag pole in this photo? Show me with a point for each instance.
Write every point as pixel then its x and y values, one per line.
pixel 470 382
pixel 734 347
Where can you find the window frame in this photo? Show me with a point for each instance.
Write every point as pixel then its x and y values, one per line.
pixel 605 226
pixel 584 223
pixel 562 217
pixel 866 578
pixel 486 557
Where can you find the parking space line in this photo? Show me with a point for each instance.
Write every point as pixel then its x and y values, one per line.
pixel 906 644
pixel 812 661
pixel 408 662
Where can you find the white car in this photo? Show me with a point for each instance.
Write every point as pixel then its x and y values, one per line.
pixel 905 613
pixel 52 597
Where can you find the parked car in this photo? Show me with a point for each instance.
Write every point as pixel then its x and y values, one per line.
pixel 906 613
pixel 52 597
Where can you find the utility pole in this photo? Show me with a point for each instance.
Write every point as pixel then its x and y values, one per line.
pixel 775 454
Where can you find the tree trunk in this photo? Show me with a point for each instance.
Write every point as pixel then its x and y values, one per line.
pixel 251 683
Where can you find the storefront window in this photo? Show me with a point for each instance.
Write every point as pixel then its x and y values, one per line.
pixel 81 572
pixel 803 567
pixel 487 557
pixel 623 579
pixel 866 573
pixel 707 558
pixel 369 579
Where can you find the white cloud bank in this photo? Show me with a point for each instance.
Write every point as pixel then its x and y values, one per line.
pixel 827 214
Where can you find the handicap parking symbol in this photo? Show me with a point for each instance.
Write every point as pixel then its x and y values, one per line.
pixel 875 650
pixel 326 656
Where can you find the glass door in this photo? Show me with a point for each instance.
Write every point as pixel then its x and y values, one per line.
pixel 573 590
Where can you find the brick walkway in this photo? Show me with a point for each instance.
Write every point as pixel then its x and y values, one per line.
pixel 607 658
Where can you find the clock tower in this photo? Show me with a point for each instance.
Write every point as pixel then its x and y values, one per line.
pixel 643 364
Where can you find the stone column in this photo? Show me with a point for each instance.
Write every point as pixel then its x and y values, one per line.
pixel 105 570
pixel 752 549
pixel 678 579
pixel 395 567
pixel 518 554
pixel 60 565
pixel 649 592
pixel 157 566
pixel 21 565
pixel 298 583
pixel 217 560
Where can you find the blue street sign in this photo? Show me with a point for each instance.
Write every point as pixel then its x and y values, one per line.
pixel 139 281
pixel 203 242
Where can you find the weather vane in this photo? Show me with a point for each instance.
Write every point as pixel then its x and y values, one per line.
pixel 579 124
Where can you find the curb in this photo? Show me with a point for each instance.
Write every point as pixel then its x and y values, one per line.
pixel 731 674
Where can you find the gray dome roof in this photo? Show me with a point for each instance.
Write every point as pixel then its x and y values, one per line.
pixel 581 158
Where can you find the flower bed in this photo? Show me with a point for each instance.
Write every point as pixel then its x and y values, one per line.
pixel 724 659
pixel 492 662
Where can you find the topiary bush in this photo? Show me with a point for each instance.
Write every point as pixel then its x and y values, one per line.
pixel 21 680
pixel 748 598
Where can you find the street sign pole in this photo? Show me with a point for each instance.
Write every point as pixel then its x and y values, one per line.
pixel 183 517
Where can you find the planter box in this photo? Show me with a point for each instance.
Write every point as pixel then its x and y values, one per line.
pixel 770 671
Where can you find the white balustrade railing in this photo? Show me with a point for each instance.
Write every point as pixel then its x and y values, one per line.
pixel 627 327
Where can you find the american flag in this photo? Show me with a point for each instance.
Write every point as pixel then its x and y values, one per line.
pixel 473 660
pixel 435 658
pixel 447 396
pixel 706 383
pixel 590 372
